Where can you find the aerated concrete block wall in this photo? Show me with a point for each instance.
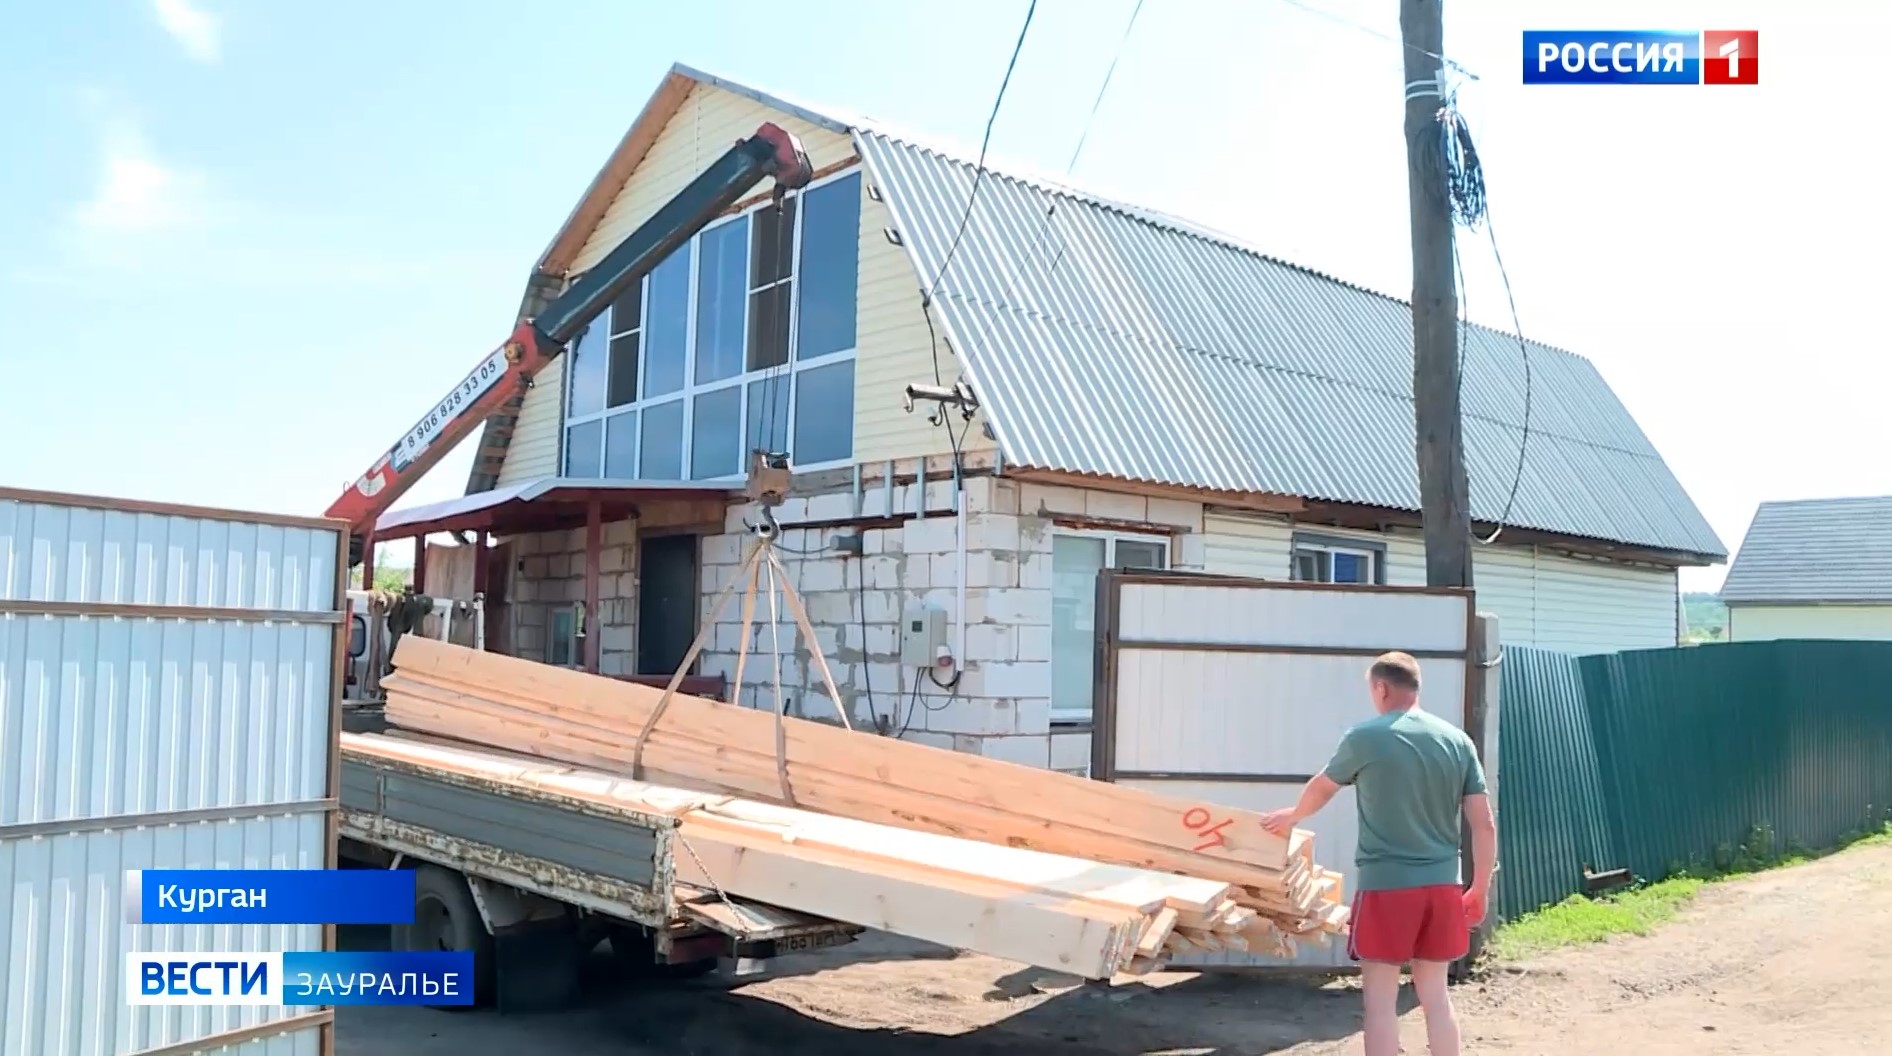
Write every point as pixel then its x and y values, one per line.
pixel 1001 705
pixel 549 573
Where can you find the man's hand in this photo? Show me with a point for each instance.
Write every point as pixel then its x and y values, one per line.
pixel 1474 901
pixel 1280 822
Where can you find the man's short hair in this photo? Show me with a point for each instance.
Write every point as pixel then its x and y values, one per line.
pixel 1396 669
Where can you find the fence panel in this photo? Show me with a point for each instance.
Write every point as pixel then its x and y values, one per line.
pixel 1683 759
pixel 1553 818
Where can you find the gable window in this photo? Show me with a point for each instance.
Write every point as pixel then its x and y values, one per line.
pixel 742 338
pixel 1076 558
pixel 1336 559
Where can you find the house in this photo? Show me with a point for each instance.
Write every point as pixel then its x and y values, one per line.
pixel 1817 568
pixel 1149 393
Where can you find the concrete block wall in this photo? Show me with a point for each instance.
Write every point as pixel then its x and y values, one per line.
pixel 1001 705
pixel 549 573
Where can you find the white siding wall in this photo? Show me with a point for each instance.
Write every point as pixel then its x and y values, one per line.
pixel 1761 623
pixel 1540 598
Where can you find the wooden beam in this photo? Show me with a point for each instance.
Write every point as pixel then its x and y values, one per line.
pixel 1264 502
pixel 837 771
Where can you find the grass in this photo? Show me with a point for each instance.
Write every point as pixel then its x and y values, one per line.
pixel 1579 920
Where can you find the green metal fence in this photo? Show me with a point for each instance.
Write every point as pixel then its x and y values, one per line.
pixel 1661 760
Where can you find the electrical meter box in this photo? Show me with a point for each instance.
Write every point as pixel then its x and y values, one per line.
pixel 922 635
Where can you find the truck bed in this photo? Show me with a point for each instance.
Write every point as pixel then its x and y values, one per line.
pixel 614 861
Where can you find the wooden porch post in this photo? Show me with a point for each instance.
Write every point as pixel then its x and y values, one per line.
pixel 420 564
pixel 479 562
pixel 594 561
pixel 367 561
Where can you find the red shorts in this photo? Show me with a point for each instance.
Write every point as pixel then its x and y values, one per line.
pixel 1409 924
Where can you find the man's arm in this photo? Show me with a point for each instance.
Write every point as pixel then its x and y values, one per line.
pixel 1484 829
pixel 1320 789
pixel 1317 793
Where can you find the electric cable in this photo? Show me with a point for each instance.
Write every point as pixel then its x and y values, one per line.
pixel 1371 32
pixel 978 177
pixel 1465 190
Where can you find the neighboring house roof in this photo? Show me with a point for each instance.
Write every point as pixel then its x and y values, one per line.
pixel 1815 550
pixel 1107 339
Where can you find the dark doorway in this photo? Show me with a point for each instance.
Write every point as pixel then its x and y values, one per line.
pixel 666 602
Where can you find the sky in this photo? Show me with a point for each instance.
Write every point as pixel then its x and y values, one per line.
pixel 244 244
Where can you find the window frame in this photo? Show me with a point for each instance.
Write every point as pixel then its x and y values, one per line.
pixel 1073 717
pixel 786 373
pixel 1373 551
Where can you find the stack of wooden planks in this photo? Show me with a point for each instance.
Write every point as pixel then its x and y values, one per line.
pixel 1255 891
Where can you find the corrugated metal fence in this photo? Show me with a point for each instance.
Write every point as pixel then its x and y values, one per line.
pixel 1661 760
pixel 168 699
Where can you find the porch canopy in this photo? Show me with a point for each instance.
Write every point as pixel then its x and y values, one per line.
pixel 550 504
pixel 545 505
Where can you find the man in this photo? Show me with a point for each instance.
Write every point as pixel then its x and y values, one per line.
pixel 1414 774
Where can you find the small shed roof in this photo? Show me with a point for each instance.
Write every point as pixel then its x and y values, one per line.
pixel 1815 550
pixel 538 505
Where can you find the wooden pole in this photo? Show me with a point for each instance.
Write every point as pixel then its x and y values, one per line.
pixel 1444 490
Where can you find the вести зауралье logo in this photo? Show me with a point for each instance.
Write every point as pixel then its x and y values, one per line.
pixel 1633 56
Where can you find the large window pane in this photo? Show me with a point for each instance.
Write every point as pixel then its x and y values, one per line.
pixel 824 414
pixel 623 387
pixel 716 433
pixel 768 326
pixel 1075 562
pixel 583 445
pixel 830 267
pixel 722 288
pixel 667 324
pixel 774 242
pixel 620 446
pixel 587 362
pixel 662 446
pixel 627 309
pixel 768 416
pixel 1349 568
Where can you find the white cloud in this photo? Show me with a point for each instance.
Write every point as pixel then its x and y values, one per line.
pixel 196 30
pixel 137 192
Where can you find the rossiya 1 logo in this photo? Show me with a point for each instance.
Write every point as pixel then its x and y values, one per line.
pixel 1640 56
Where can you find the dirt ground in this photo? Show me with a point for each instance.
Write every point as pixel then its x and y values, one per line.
pixel 1787 961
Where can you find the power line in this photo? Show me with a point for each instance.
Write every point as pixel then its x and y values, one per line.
pixel 1371 32
pixel 1097 104
pixel 1524 351
pixel 1471 208
pixel 978 175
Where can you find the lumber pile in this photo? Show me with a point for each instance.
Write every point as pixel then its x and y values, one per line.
pixel 1253 891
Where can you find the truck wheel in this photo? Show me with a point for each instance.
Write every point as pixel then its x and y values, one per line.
pixel 446 918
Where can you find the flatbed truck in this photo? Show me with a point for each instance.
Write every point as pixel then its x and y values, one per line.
pixel 532 881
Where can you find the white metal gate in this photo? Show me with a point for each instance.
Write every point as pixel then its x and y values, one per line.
pixel 1236 691
pixel 169 699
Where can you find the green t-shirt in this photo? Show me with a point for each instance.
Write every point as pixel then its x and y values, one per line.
pixel 1411 772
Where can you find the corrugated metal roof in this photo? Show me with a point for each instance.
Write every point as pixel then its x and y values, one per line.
pixel 1815 550
pixel 1109 339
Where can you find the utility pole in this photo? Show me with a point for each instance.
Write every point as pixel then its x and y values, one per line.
pixel 1444 490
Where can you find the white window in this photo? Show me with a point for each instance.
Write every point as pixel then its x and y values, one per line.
pixel 1334 561
pixel 1076 558
pixel 743 338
